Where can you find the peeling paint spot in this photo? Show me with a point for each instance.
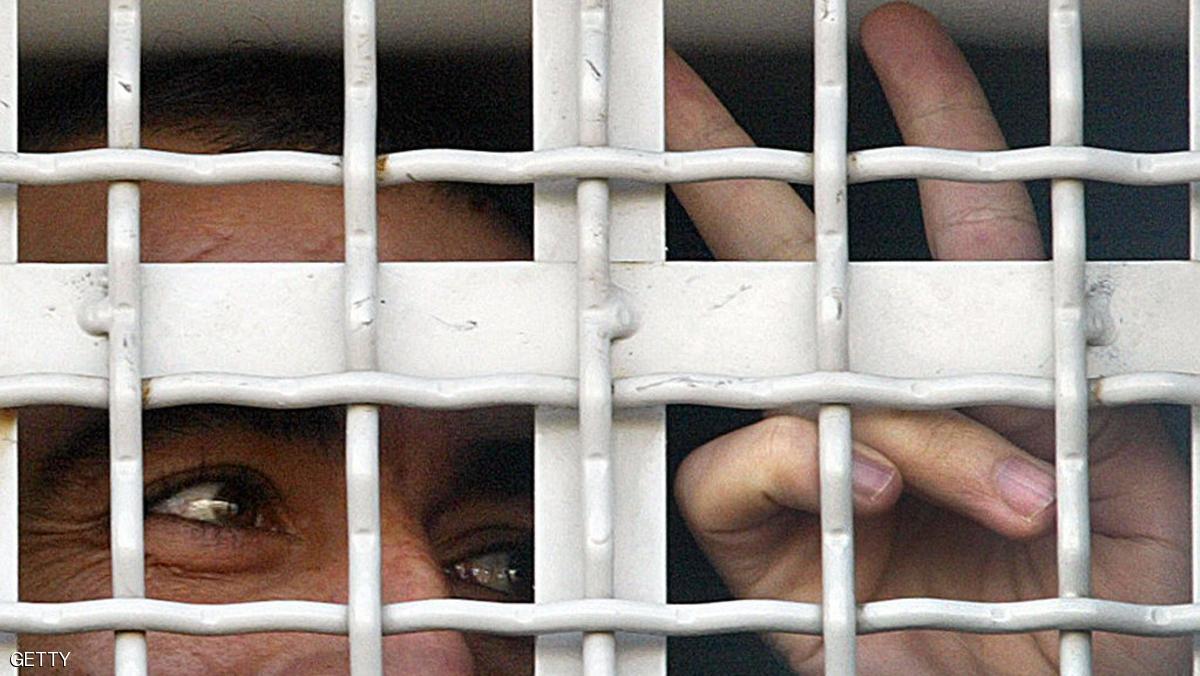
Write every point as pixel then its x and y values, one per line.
pixel 691 382
pixel 1100 329
pixel 469 325
pixel 729 298
pixel 832 305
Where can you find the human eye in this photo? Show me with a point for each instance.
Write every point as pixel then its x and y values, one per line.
pixel 229 497
pixel 505 570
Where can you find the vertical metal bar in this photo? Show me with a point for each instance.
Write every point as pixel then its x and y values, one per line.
pixel 1194 251
pixel 9 564
pixel 1194 118
pixel 597 324
pixel 361 296
pixel 635 121
pixel 832 266
pixel 557 480
pixel 125 331
pixel 637 233
pixel 8 126
pixel 1070 357
pixel 1196 529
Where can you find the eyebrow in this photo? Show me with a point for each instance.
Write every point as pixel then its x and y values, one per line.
pixel 495 468
pixel 90 445
pixel 498 467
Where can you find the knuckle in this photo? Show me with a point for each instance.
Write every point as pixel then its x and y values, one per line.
pixel 988 216
pixel 986 230
pixel 767 459
pixel 784 458
pixel 942 436
pixel 934 114
pixel 688 479
pixel 782 435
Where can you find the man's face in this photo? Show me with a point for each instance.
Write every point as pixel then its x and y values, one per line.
pixel 248 505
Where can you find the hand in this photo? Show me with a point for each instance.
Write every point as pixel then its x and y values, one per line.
pixel 950 504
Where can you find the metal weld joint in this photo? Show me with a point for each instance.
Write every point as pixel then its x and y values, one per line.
pixel 615 315
pixel 1100 329
pixel 96 318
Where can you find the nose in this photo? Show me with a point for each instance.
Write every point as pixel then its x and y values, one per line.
pixel 411 572
pixel 437 653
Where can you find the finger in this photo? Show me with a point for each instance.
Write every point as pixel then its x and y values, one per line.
pixel 749 499
pixel 954 461
pixel 937 102
pixel 739 219
pixel 748 477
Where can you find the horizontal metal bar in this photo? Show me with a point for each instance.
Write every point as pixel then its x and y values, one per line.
pixel 838 387
pixel 335 389
pixel 449 320
pixel 864 166
pixel 389 389
pixel 861 389
pixel 594 162
pixel 587 615
pixel 1025 164
pixel 109 164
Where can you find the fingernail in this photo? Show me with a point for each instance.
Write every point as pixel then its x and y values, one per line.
pixel 1027 488
pixel 869 478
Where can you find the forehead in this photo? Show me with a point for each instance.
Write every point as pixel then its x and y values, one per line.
pixel 260 221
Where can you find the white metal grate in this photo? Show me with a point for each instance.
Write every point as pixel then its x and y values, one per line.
pixel 598 164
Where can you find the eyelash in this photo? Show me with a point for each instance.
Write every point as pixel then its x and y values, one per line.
pixel 246 494
pixel 505 568
pixel 512 578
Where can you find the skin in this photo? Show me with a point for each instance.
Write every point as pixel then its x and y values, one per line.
pixel 935 518
pixel 289 541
